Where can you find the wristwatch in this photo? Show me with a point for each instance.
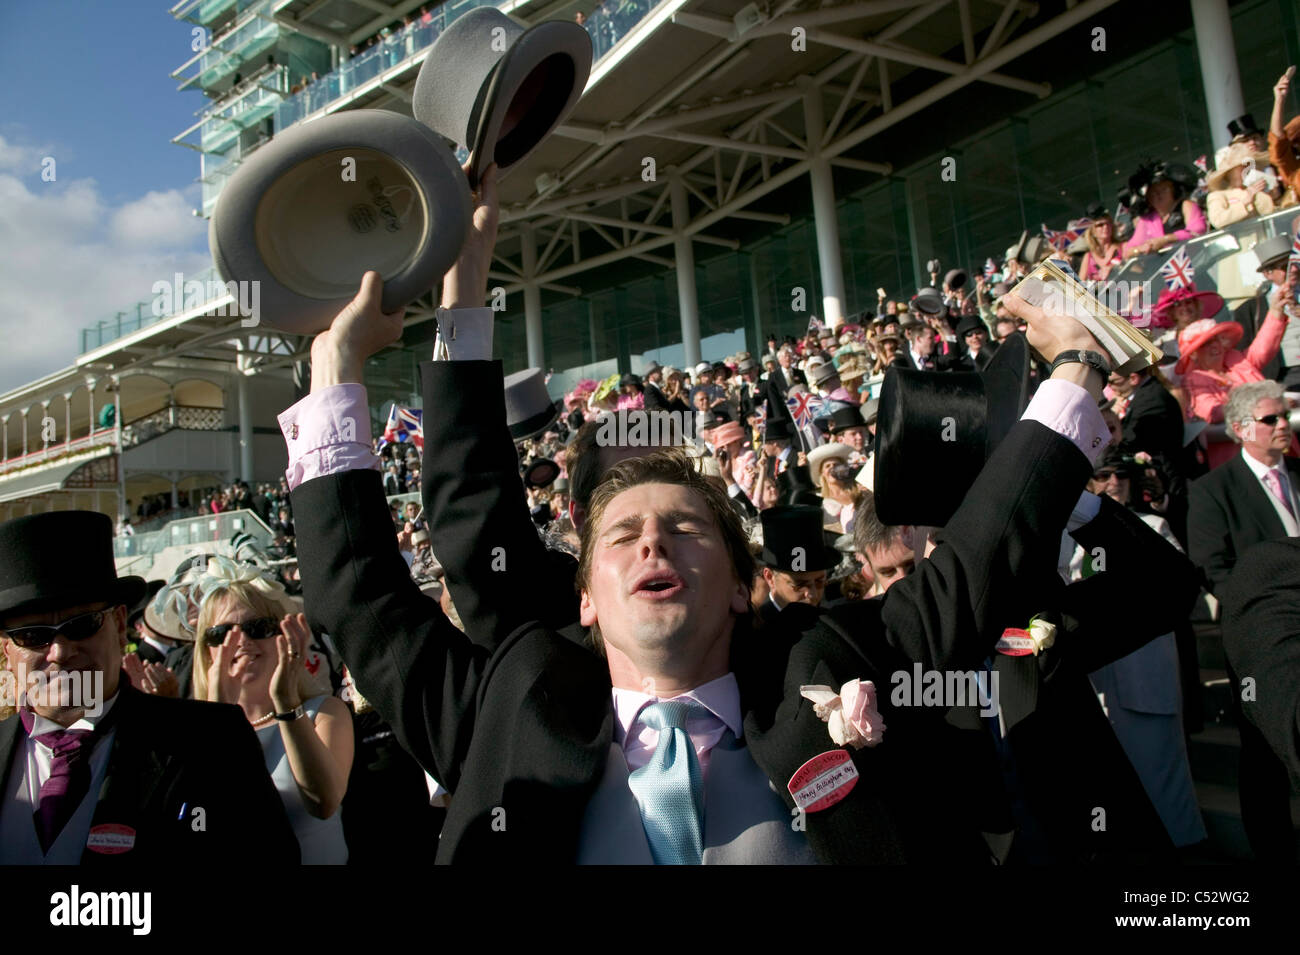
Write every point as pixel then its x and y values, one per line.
pixel 1094 360
pixel 292 715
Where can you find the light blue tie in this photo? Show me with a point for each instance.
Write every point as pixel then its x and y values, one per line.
pixel 668 788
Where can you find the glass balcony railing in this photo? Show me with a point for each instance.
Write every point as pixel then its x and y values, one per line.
pixel 1221 261
pixel 230 51
pixel 195 531
pixel 204 12
pixel 206 288
pixel 606 28
pixel 221 127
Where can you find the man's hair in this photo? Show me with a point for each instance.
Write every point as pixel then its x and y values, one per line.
pixel 916 332
pixel 582 459
pixel 667 466
pixel 1242 401
pixel 868 531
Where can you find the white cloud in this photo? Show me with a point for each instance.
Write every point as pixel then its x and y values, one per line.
pixel 68 259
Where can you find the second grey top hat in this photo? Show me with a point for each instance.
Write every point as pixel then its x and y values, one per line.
pixel 499 89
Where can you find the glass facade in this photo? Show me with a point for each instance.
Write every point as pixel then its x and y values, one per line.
pixel 1043 165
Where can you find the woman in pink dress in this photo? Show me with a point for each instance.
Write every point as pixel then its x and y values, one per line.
pixel 1163 212
pixel 1211 367
pixel 1104 251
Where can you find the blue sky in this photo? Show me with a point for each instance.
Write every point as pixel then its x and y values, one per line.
pixel 87 83
pixel 90 78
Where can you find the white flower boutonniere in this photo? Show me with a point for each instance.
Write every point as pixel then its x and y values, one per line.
pixel 1038 636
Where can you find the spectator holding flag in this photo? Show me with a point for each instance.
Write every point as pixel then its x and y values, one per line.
pixel 404 425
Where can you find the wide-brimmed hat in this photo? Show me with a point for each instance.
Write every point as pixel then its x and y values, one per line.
pixel 35 574
pixel 852 367
pixel 935 430
pixel 498 88
pixel 321 204
pixel 541 473
pixel 630 379
pixel 793 540
pixel 1238 154
pixel 726 433
pixel 889 337
pixel 823 453
pixel 703 368
pixel 1272 252
pixel 1210 302
pixel 137 610
pixel 971 323
pixel 1198 333
pixel 529 409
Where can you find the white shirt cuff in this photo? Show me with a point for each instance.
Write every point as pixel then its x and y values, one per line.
pixel 465 333
pixel 1070 411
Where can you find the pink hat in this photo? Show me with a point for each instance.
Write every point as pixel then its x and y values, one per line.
pixel 1198 333
pixel 727 433
pixel 1210 302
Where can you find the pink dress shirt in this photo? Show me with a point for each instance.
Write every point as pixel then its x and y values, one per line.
pixel 721 697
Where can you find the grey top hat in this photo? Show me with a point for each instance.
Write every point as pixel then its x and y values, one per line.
pixel 295 220
pixel 747 364
pixel 823 373
pixel 1271 250
pixel 499 89
pixel 929 300
pixel 529 409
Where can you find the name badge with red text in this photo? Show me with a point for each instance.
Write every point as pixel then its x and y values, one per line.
pixel 111 839
pixel 823 781
pixel 1015 643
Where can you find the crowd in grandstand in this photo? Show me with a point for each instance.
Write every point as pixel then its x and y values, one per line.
pixel 745 490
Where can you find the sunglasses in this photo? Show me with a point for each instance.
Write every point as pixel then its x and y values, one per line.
pixel 1105 474
pixel 258 629
pixel 1270 419
pixel 78 628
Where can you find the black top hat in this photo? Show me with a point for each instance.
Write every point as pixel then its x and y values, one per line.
pixel 971 323
pixel 795 486
pixel 631 380
pixel 793 540
pixel 499 89
pixel 529 410
pixel 35 575
pixel 541 473
pixel 1096 210
pixel 1273 252
pixel 293 221
pixel 843 418
pixel 1243 125
pixel 777 429
pixel 922 473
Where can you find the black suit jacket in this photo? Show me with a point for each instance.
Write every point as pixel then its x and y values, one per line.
pixel 149 653
pixel 1261 636
pixel 1154 422
pixel 1228 512
pixel 169 758
pixel 519 728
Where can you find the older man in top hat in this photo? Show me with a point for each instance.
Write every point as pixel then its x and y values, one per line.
pixel 93 771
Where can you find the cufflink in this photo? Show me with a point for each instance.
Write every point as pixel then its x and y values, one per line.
pixel 1096 441
pixel 293 432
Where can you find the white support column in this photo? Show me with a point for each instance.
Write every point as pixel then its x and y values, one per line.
pixel 25 410
pixel 245 418
pixel 4 454
pixel 1220 77
pixel 90 399
pixel 827 228
pixel 45 413
pixel 688 302
pixel 121 458
pixel 67 419
pixel 532 299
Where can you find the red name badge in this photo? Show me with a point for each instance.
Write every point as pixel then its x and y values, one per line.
pixel 111 839
pixel 1015 643
pixel 823 781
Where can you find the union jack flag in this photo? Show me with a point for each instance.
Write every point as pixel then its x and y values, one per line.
pixel 1177 271
pixel 404 425
pixel 1062 239
pixel 804 407
pixel 1202 164
pixel 814 325
pixel 1294 261
pixel 990 268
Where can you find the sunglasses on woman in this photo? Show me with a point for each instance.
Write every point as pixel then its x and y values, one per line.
pixel 258 629
pixel 78 628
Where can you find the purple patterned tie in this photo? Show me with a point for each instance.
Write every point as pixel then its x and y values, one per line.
pixel 1274 481
pixel 69 779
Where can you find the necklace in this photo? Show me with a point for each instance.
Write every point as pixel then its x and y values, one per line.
pixel 262 719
